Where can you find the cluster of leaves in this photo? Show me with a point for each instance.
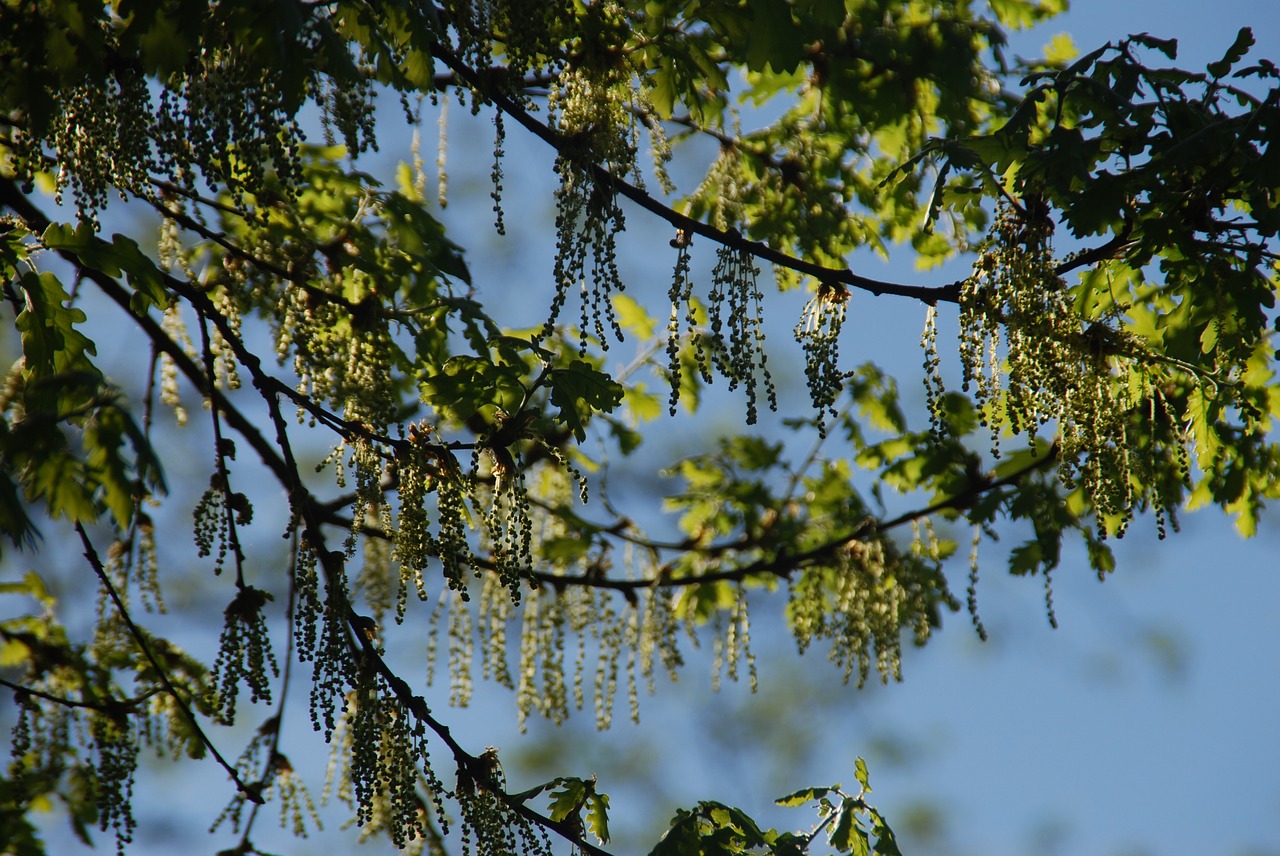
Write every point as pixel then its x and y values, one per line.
pixel 851 825
pixel 1138 374
pixel 460 451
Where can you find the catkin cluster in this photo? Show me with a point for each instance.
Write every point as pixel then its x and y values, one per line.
pixel 1016 332
pixel 111 775
pixel 244 654
pixel 526 31
pixel 727 336
pixel 222 117
pixel 736 324
pixel 863 601
pixel 565 643
pixel 380 768
pixel 818 333
pixel 1031 361
pixel 489 825
pixel 599 138
pixel 588 221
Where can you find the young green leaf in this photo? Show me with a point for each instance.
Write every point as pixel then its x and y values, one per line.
pixel 803 796
pixel 598 816
pixel 847 835
pixel 568 799
pixel 581 391
pixel 860 770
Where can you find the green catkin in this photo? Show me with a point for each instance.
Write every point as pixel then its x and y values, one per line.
pixel 1029 361
pixel 743 619
pixel 111 774
pixel 1050 613
pixel 633 645
pixel 496 607
pixel 971 599
pixel 680 295
pixel 934 390
pixel 496 174
pixel 334 661
pixel 527 698
pixel 583 599
pixel 588 220
pixel 442 149
pixel 461 653
pixel 612 634
pixel 244 654
pixel 736 327
pixel 818 333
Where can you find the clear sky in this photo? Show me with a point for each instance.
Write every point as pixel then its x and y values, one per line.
pixel 1147 724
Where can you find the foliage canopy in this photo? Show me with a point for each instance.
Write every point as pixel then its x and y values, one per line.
pixel 304 304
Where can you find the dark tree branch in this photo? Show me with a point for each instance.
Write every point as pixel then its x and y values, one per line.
pixel 949 293
pixel 726 237
pixel 779 564
pixel 103 706
pixel 192 225
pixel 251 793
pixel 281 462
pixel 229 510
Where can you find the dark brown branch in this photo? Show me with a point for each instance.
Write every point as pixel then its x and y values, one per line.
pixel 781 564
pixel 251 793
pixel 192 225
pixel 108 706
pixel 1110 250
pixel 966 498
pixel 949 293
pixel 285 468
pixel 186 193
pixel 726 237
pixel 530 82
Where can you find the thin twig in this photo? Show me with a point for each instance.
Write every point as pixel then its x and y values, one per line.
pixel 95 561
pixel 229 510
pixel 273 752
pixel 112 705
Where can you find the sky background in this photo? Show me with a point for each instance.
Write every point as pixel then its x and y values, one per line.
pixel 1146 724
